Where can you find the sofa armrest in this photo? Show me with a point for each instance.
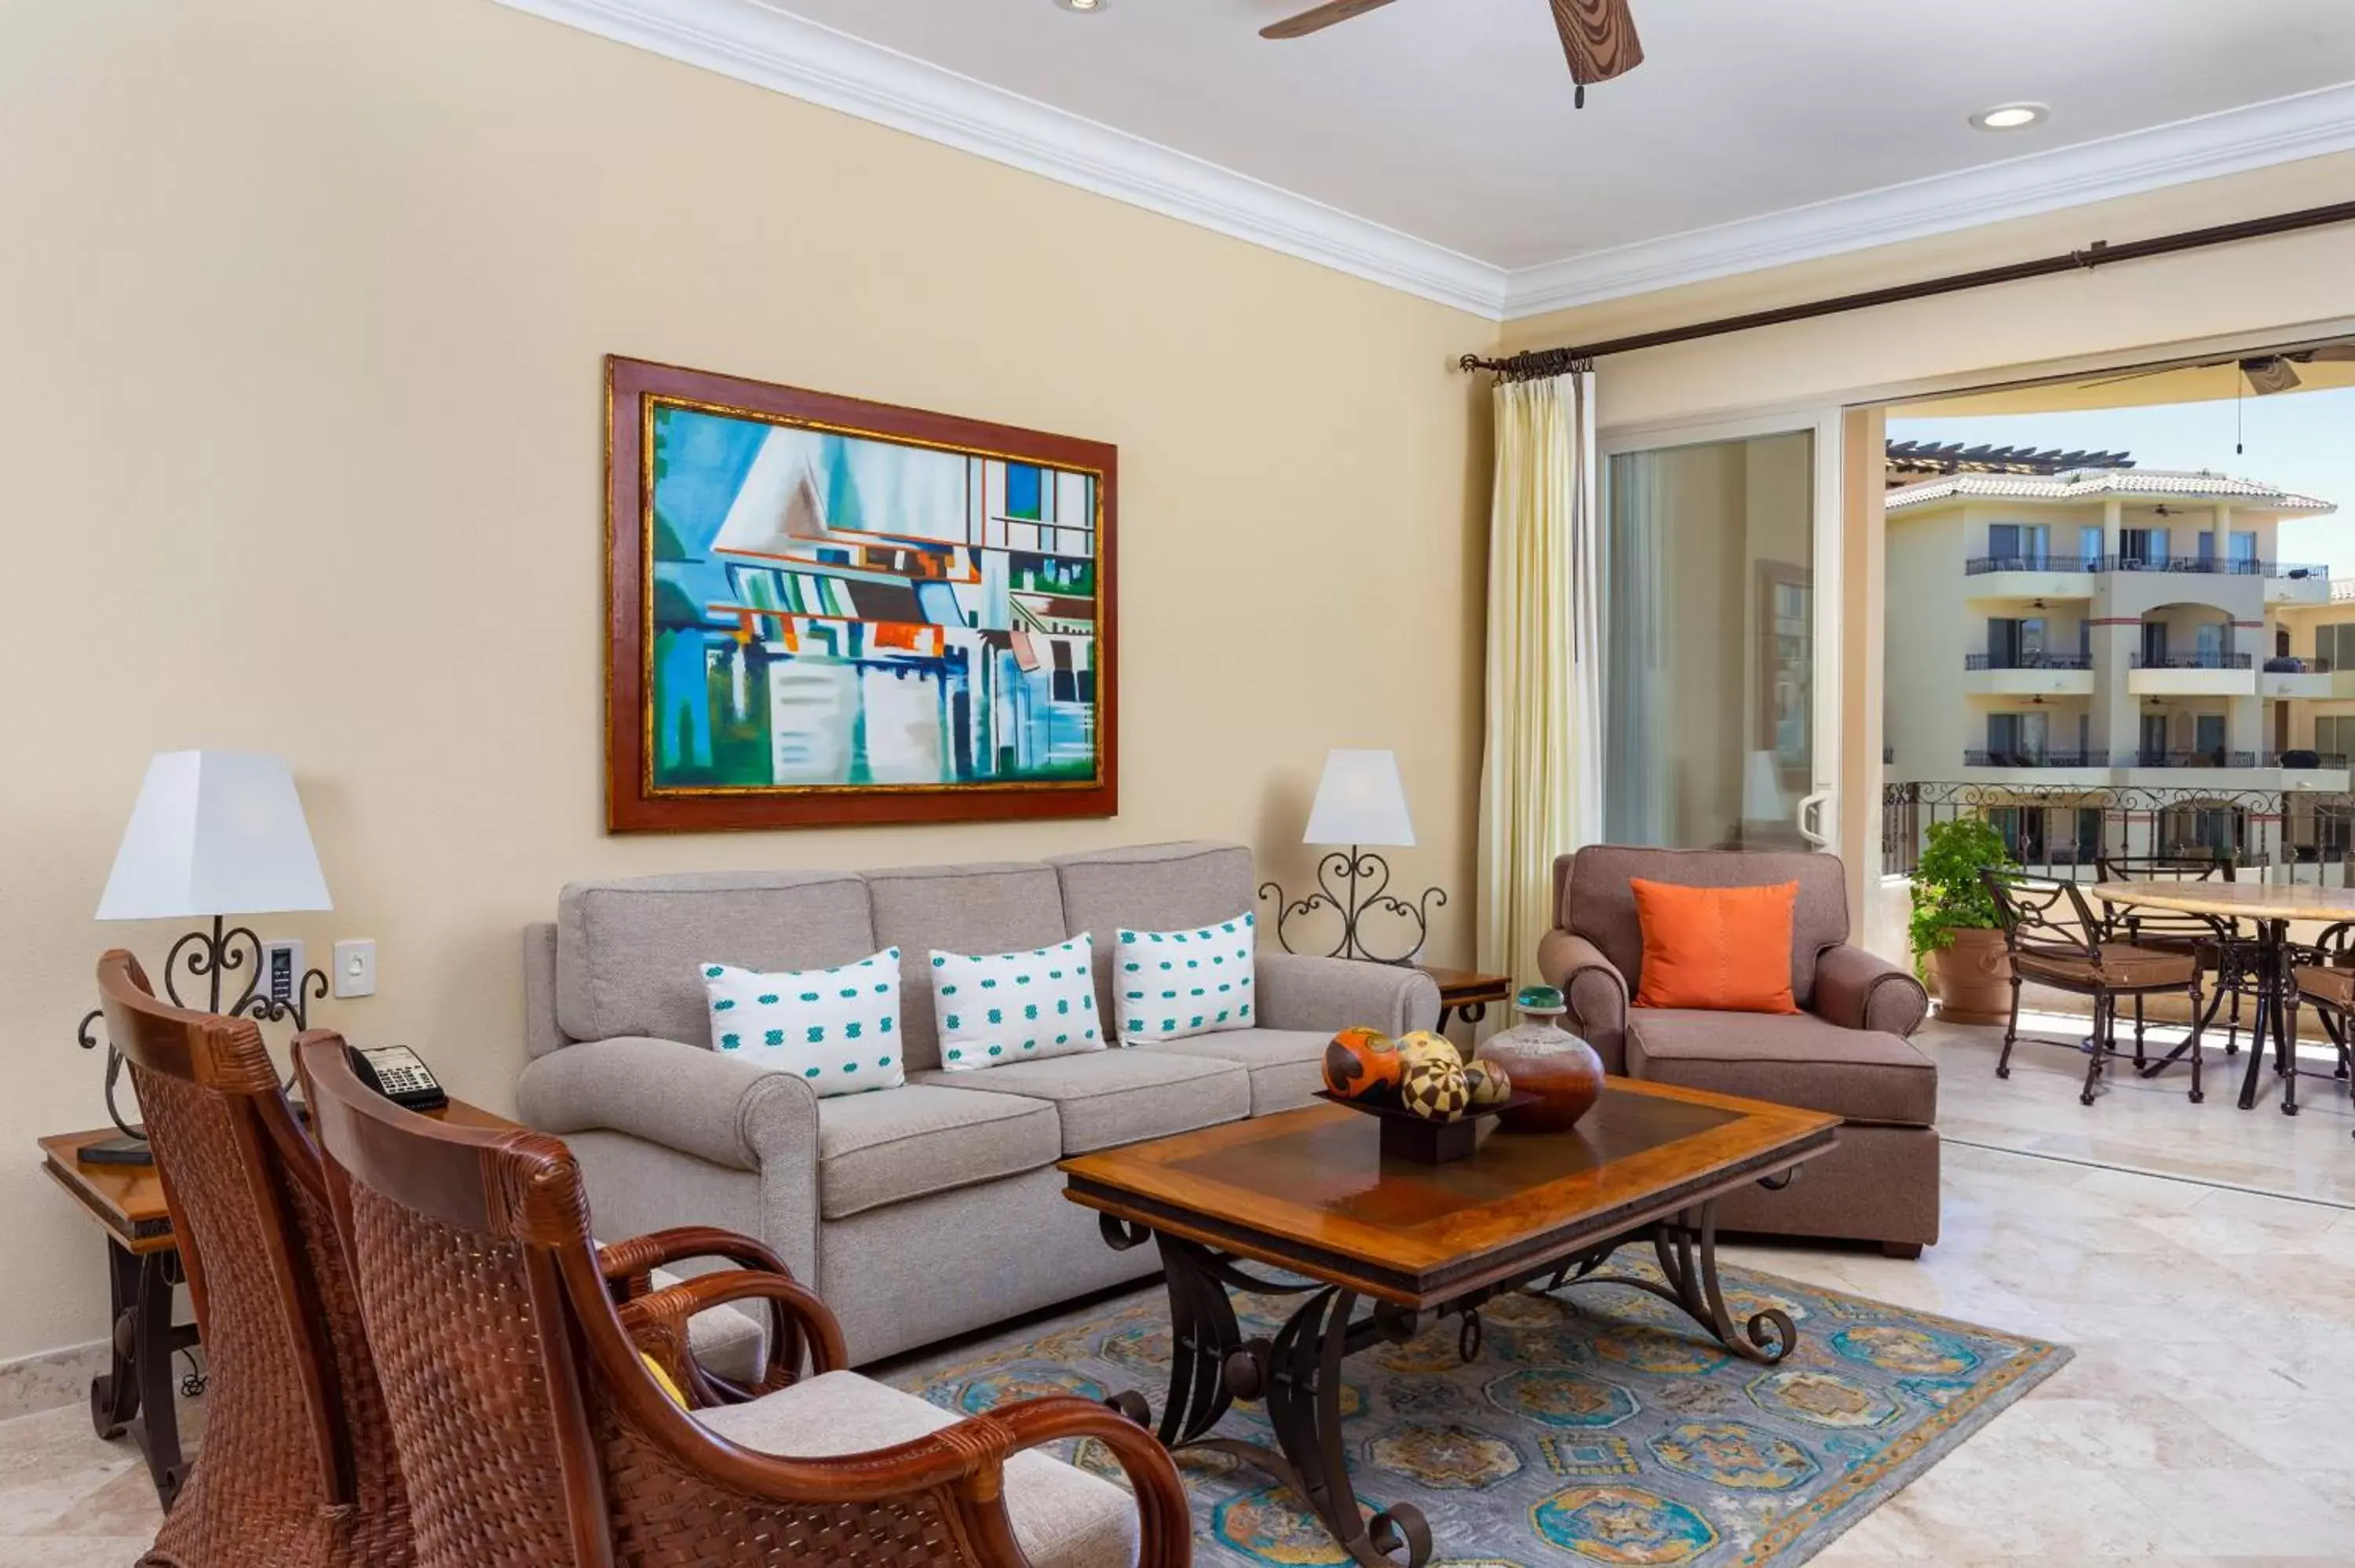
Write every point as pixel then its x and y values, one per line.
pixel 1858 990
pixel 1298 991
pixel 724 1109
pixel 1595 990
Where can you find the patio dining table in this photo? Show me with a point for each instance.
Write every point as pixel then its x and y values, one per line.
pixel 2268 909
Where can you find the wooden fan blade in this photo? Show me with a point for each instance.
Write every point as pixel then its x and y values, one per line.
pixel 2329 351
pixel 1600 37
pixel 1320 19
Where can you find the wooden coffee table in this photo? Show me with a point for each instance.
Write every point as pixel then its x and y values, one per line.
pixel 1309 1193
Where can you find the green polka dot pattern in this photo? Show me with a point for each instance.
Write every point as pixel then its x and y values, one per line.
pixel 813 1021
pixel 1172 984
pixel 1039 1003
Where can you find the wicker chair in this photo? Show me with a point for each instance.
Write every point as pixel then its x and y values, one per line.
pixel 2053 937
pixel 531 1433
pixel 294 1391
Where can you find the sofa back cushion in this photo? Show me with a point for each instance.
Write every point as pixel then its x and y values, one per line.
pixel 1594 899
pixel 1150 887
pixel 629 953
pixel 969 909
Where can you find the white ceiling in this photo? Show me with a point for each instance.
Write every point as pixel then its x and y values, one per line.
pixel 1449 122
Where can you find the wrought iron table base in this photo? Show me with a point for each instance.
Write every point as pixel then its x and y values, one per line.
pixel 1298 1375
pixel 133 1397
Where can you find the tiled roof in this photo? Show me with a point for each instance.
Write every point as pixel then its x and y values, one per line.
pixel 2094 483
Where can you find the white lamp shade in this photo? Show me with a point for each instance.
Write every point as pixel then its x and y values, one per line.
pixel 1361 801
pixel 214 833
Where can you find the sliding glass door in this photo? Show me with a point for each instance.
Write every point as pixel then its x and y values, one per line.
pixel 1721 669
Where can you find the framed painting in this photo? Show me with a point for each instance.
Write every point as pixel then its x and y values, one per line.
pixel 825 611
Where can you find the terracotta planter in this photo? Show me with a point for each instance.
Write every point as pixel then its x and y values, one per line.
pixel 1974 979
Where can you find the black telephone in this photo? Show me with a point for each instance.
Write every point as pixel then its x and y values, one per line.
pixel 394 1072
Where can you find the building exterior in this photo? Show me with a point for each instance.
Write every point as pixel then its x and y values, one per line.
pixel 2111 626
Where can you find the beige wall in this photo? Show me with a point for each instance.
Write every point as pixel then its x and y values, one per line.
pixel 301 399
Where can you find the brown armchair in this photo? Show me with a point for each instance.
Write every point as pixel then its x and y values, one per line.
pixel 530 1431
pixel 1846 1050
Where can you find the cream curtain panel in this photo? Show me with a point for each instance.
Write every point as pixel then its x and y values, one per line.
pixel 1540 775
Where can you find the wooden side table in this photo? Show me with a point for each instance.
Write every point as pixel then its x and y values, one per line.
pixel 1465 993
pixel 132 1398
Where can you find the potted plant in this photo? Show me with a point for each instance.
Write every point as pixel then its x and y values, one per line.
pixel 1958 934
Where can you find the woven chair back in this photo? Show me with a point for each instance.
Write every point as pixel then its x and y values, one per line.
pixel 296 1467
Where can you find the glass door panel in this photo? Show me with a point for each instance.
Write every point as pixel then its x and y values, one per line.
pixel 1716 669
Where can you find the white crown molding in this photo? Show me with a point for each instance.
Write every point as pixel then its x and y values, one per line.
pixel 2308 125
pixel 767 47
pixel 788 54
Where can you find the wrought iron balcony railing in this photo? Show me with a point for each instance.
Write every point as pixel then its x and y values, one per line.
pixel 2028 661
pixel 2035 758
pixel 2216 758
pixel 2322 759
pixel 2196 660
pixel 2217 566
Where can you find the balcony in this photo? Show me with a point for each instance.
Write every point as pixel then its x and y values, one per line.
pixel 2297 583
pixel 2313 679
pixel 2031 576
pixel 2027 675
pixel 2197 675
pixel 2216 758
pixel 2035 759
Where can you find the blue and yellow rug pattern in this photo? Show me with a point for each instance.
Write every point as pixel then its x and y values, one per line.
pixel 1597 1427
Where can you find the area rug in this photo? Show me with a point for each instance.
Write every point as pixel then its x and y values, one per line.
pixel 1600 1426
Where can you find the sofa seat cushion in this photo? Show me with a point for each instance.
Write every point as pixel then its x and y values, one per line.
pixel 1793 1060
pixel 1286 1065
pixel 1109 1097
pixel 1063 1516
pixel 896 1144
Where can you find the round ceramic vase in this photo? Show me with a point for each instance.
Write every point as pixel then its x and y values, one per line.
pixel 1545 1060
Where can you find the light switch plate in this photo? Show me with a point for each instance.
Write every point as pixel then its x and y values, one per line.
pixel 355 971
pixel 282 968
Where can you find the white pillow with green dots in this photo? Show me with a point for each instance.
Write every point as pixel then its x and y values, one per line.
pixel 838 1028
pixel 1167 985
pixel 1015 1007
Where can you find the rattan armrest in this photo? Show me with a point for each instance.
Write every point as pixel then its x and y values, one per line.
pixel 657 1322
pixel 629 1262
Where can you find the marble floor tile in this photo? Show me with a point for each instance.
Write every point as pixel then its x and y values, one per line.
pixel 2200 1259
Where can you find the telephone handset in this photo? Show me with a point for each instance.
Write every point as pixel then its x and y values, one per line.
pixel 395 1072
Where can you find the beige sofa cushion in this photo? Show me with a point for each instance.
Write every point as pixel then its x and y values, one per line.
pixel 1150 887
pixel 628 951
pixel 976 909
pixel 1286 1065
pixel 1796 1059
pixel 1062 1517
pixel 896 1144
pixel 1109 1097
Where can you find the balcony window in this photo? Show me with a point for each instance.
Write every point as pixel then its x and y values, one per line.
pixel 2142 549
pixel 2023 545
pixel 2090 546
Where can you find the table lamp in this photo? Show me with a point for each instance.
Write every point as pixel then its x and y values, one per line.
pixel 1359 801
pixel 214 833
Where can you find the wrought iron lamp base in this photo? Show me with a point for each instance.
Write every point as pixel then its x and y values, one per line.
pixel 1355 884
pixel 210 957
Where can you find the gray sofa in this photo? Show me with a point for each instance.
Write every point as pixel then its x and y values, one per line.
pixel 934 1209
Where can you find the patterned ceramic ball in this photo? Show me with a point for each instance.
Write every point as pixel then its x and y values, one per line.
pixel 1487 1083
pixel 1435 1090
pixel 1362 1064
pixel 1423 1043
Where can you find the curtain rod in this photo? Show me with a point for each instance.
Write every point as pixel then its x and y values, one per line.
pixel 1533 363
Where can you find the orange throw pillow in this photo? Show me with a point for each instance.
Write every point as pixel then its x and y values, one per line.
pixel 1726 950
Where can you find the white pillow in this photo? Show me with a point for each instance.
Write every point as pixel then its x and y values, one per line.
pixel 1172 984
pixel 840 1028
pixel 1015 1007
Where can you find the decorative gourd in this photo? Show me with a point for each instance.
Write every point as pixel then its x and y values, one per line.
pixel 1434 1090
pixel 1488 1084
pixel 1422 1043
pixel 1363 1063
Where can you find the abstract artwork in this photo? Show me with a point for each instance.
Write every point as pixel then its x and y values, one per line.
pixel 824 611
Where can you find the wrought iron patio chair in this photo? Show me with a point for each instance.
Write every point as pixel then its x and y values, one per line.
pixel 531 1431
pixel 2052 936
pixel 2322 976
pixel 2230 952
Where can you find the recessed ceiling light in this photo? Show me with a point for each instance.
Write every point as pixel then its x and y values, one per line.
pixel 1081 4
pixel 2010 116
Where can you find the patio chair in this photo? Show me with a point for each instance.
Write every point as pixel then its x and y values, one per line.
pixel 2323 976
pixel 2053 937
pixel 2166 929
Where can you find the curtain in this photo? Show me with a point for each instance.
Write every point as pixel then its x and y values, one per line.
pixel 1540 778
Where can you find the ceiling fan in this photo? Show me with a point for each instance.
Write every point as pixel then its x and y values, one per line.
pixel 1599 35
pixel 2266 373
